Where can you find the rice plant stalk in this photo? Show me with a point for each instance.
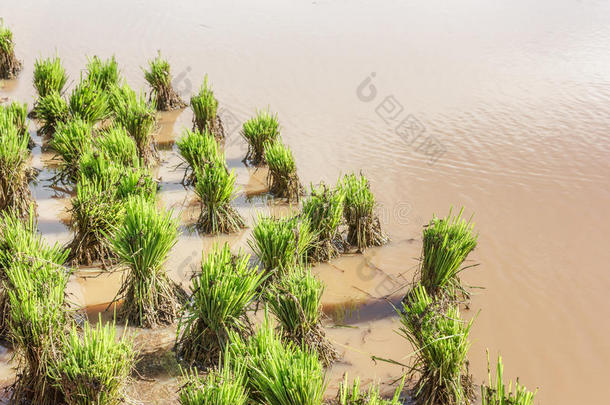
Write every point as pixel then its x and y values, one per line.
pixel 103 74
pixel 9 64
pixel 351 394
pixel 14 170
pixel 295 300
pixel 51 110
pixel 198 150
pixel 222 293
pixel 324 209
pixel 89 102
pixel 143 242
pixel 498 394
pixel 282 177
pixel 16 114
pixel 49 76
pixel 71 140
pixel 115 145
pixel 214 188
pixel 264 129
pixel 205 111
pixel 159 78
pixel 364 227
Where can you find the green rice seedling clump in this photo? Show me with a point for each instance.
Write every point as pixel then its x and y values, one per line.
pixel 92 366
pixel 222 293
pixel 159 78
pixel 262 130
pixel 324 209
pixel 280 243
pixel 294 299
pixel 446 244
pixel 9 64
pixel 50 110
pixel 214 188
pixel 16 114
pixel 143 242
pixel 95 212
pixel 49 76
pixel 364 227
pixel 115 145
pixel 205 111
pixel 282 178
pixel 36 292
pixel 15 172
pixel 199 150
pixel 138 117
pixel 103 74
pixel 440 340
pixel 498 394
pixel 224 385
pixel 89 102
pixel 279 373
pixel 351 394
pixel 71 140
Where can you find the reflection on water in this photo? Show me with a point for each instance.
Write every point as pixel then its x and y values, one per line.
pixel 516 93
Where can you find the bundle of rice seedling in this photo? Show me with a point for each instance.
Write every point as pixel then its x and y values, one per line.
pixel 136 182
pixel 95 212
pixel 440 340
pixel 446 244
pixel 215 190
pixel 89 102
pixel 16 114
pixel 198 150
pixel 279 373
pixel 9 64
pixel 14 170
pixel 324 209
pixel 92 367
pixel 364 227
pixel 159 78
pixel 222 293
pixel 36 293
pixel 205 111
pixel 103 74
pixel 294 299
pixel 282 178
pixel 280 243
pixel 51 110
pixel 498 394
pixel 71 140
pixel 351 395
pixel 139 119
pixel 115 145
pixel 262 130
pixel 143 242
pixel 224 385
pixel 49 76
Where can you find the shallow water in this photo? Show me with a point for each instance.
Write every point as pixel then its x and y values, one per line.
pixel 515 94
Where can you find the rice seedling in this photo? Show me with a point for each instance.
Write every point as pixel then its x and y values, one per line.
pixel 497 393
pixel 324 209
pixel 198 150
pixel 92 366
pixel 136 182
pixel 143 242
pixel 9 64
pixel 224 385
pixel 159 78
pixel 16 114
pixel 205 111
pixel 214 188
pixel 89 102
pixel 36 293
pixel 446 244
pixel 71 140
pixel 14 170
pixel 281 243
pixel 282 178
pixel 49 76
pixel 51 110
pixel 294 299
pixel 351 395
pixel 115 145
pixel 103 74
pixel 139 119
pixel 222 293
pixel 264 129
pixel 364 227
pixel 95 212
pixel 279 373
pixel 440 340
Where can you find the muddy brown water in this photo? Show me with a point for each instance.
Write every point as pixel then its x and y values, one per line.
pixel 500 107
